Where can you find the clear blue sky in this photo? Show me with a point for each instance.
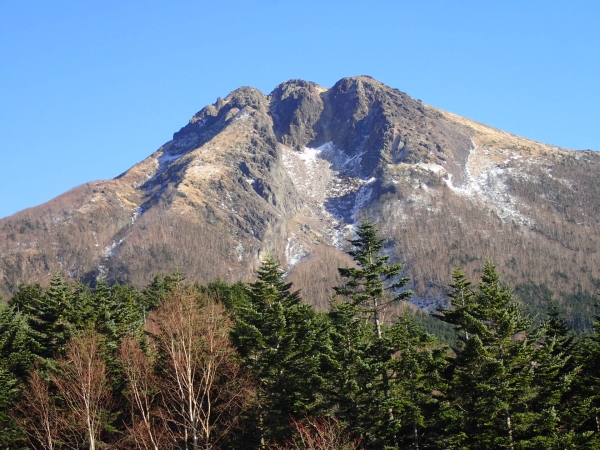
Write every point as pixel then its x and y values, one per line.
pixel 89 88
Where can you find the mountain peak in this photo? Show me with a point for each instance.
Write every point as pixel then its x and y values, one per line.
pixel 290 174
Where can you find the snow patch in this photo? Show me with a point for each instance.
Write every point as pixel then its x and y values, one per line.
pixel 309 155
pixel 430 167
pixel 167 158
pixel 244 115
pixel 294 251
pixel 328 181
pixel 240 250
pixel 363 195
pixel 491 188
pixel 111 250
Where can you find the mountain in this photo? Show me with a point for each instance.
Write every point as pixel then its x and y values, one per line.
pixel 291 172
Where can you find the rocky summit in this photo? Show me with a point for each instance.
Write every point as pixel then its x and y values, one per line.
pixel 291 173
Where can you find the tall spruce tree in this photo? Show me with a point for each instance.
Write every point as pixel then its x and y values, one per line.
pixel 414 370
pixel 586 390
pixel 47 313
pixel 555 374
pixel 17 349
pixel 283 343
pixel 231 296
pixel 392 411
pixel 495 389
pixel 160 287
pixel 354 382
pixel 366 286
pixel 490 377
pixel 9 389
pixel 462 307
pixel 385 375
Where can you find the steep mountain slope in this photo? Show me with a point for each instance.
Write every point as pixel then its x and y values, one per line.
pixel 290 174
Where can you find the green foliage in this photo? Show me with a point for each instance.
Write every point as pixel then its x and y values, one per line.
pixel 16 354
pixel 47 314
pixel 536 297
pixel 9 432
pixel 231 296
pixel 57 312
pixel 383 377
pixel 354 375
pixel 443 331
pixel 160 287
pixel 414 374
pixel 504 386
pixel 17 347
pixel 282 343
pixel 367 285
pixel 462 302
pixel 584 400
pixel 381 388
pixel 580 304
pixel 506 382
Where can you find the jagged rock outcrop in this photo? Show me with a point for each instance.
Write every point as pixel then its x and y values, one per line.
pixel 291 172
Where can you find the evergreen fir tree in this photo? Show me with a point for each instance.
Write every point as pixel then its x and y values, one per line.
pixel 553 409
pixel 585 394
pixel 490 389
pixel 131 310
pixel 558 348
pixel 83 312
pixel 160 287
pixel 47 314
pixel 281 342
pixel 366 285
pixel 414 378
pixel 17 350
pixel 26 299
pixel 462 306
pixel 354 383
pixel 231 296
pixel 385 412
pixel 105 305
pixel 373 396
pixel 9 431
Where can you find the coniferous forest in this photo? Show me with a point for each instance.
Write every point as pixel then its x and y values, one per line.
pixel 253 366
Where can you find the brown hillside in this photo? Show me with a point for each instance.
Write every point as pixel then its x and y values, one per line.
pixel 290 173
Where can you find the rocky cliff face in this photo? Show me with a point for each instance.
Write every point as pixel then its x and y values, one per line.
pixel 292 172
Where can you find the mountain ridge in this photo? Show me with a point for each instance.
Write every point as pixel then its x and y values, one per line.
pixel 290 173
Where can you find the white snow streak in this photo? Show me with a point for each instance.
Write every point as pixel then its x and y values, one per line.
pixel 325 177
pixel 491 188
pixel 294 251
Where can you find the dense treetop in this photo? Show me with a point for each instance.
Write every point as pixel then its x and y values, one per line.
pixel 253 366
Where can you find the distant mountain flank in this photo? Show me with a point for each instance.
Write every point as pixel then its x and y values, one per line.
pixel 291 173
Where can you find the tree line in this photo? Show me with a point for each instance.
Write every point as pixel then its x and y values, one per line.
pixel 251 366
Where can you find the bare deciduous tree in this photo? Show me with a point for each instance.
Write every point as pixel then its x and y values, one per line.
pixel 83 384
pixel 37 414
pixel 147 429
pixel 203 387
pixel 319 434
